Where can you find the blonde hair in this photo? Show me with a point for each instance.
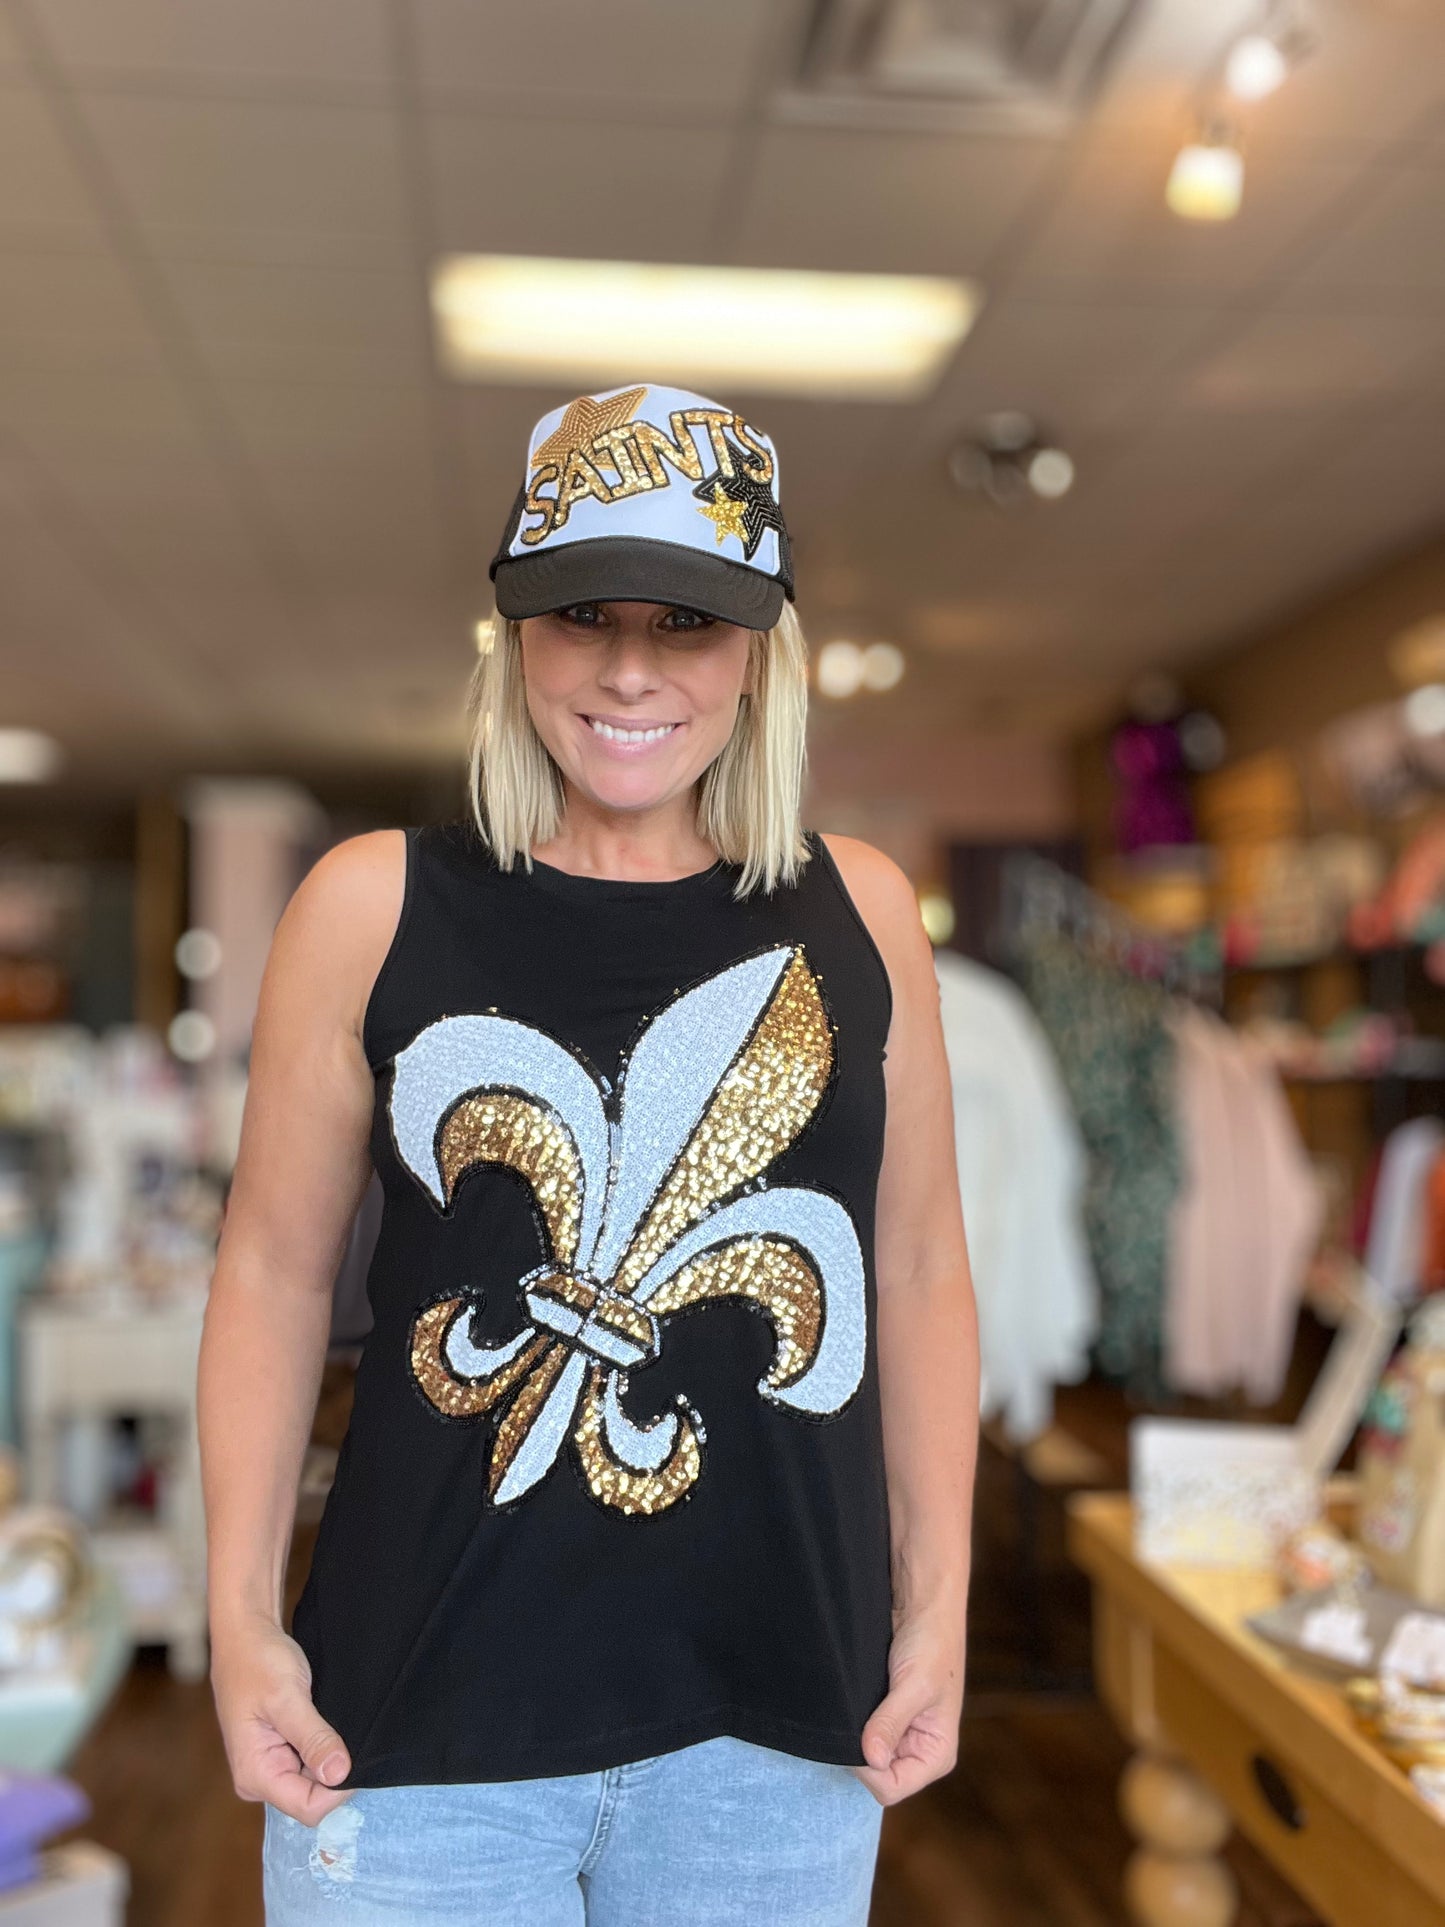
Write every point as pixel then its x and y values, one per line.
pixel 748 799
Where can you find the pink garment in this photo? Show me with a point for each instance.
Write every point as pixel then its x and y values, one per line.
pixel 1292 1210
pixel 1200 1225
pixel 1244 1221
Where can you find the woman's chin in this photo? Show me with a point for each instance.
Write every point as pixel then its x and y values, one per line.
pixel 620 789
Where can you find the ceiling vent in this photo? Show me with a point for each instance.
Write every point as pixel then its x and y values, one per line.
pixel 1008 66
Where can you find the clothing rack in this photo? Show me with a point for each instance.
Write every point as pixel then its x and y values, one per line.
pixel 1038 896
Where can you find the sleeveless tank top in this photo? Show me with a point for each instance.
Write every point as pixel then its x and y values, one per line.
pixel 613 1481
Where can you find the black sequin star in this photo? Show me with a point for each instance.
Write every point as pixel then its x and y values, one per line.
pixel 760 511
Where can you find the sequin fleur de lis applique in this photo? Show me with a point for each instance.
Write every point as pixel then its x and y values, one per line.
pixel 641 1220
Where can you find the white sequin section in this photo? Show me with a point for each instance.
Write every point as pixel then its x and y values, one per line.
pixel 641 1448
pixel 457 1056
pixel 480 1361
pixel 821 1226
pixel 669 1081
pixel 546 1432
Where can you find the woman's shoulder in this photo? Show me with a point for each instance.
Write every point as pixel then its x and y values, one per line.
pixel 886 903
pixel 359 873
pixel 352 899
pixel 869 874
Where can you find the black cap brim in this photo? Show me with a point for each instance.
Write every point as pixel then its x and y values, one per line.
pixel 627 568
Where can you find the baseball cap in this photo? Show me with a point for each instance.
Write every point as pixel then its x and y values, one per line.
pixel 647 495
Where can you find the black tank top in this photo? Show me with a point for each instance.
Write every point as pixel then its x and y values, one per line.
pixel 613 1482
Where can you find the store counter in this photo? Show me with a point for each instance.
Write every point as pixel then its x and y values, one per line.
pixel 1229 1730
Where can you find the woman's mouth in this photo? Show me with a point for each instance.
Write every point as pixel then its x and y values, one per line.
pixel 631 734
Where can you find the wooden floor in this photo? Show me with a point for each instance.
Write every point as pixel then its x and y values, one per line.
pixel 1023 1834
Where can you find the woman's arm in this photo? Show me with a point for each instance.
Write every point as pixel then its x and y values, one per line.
pixel 927 1351
pixel 301 1170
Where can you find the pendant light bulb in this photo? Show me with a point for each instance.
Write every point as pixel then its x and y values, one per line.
pixel 1256 67
pixel 1206 182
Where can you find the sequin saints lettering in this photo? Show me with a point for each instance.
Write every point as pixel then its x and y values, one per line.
pixel 600 451
pixel 649 1204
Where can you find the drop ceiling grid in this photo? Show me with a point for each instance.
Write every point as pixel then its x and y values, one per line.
pixel 260 163
pixel 188 43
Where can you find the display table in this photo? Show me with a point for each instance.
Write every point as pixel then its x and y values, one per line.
pixel 1229 1729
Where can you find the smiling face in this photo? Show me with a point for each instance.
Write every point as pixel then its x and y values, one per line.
pixel 633 699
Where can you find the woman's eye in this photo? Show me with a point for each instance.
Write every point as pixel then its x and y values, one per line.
pixel 686 620
pixel 584 614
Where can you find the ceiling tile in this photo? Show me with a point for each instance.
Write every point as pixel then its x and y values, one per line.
pixel 642 61
pixel 1166 47
pixel 172 522
pixel 622 192
pixel 1392 241
pixel 902 203
pixel 102 413
pixel 292 321
pixel 1074 366
pixel 1293 360
pixel 1110 224
pixel 67 603
pixel 190 40
pixel 190 170
pixel 12 57
pixel 83 295
pixel 374 529
pixel 376 425
pixel 41 193
pixel 1372 79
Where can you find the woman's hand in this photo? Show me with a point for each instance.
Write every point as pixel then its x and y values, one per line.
pixel 279 1748
pixel 911 1737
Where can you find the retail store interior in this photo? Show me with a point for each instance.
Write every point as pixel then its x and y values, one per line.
pixel 1103 346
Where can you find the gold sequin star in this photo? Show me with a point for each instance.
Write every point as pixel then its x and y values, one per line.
pixel 725 514
pixel 584 420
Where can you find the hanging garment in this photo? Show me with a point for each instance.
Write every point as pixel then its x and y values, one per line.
pixel 1395 1250
pixel 1432 1262
pixel 614 1477
pixel 1245 1218
pixel 1285 1221
pixel 1203 1222
pixel 1117 1060
pixel 1021 1174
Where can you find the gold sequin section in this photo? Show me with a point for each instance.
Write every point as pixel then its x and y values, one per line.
pixel 726 516
pixel 460 1397
pixel 513 1430
pixel 759 1108
pixel 497 1127
pixel 776 1276
pixel 584 421
pixel 616 1485
pixel 654 448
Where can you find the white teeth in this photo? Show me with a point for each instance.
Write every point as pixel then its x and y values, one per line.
pixel 631 735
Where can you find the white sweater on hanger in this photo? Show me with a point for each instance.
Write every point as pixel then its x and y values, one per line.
pixel 1021 1172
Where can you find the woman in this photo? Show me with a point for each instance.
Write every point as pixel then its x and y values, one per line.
pixel 641 1587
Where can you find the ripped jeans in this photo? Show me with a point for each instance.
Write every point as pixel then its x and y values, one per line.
pixel 709 1835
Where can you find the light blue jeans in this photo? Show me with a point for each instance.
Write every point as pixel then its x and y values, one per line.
pixel 706 1836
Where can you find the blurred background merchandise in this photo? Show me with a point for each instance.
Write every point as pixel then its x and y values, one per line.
pixel 1102 344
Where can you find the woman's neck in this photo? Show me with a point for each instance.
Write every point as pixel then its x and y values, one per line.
pixel 655 849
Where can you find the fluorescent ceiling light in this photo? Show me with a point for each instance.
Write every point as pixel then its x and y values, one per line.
pixel 28 756
pixel 520 318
